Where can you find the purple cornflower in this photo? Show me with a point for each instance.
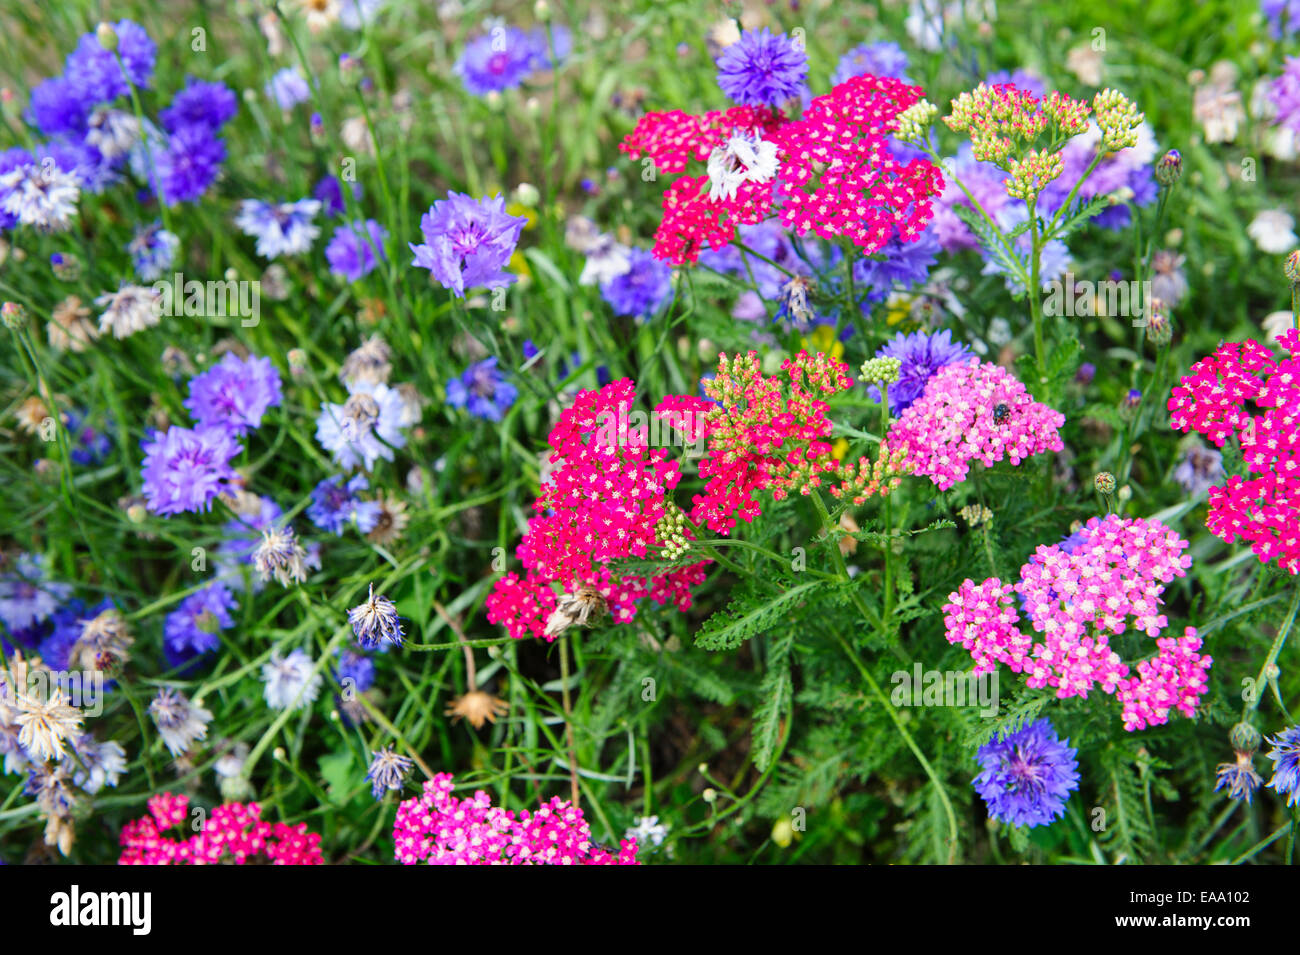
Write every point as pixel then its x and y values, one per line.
pixel 58 106
pixel 189 164
pixel 1285 93
pixel 91 445
pixel 96 72
pixel 334 505
pixel 355 671
pixel 185 469
pixel 1285 755
pixel 330 193
pixel 906 264
pixel 1283 16
pixel 879 59
pixel 376 621
pixel 200 103
pixel 365 428
pixel 763 68
pixel 921 354
pixel 283 228
pixel 497 60
pixel 26 596
pixel 1027 775
pixel 1087 371
pixel 482 391
pixel 191 629
pixel 356 249
pixel 1200 469
pixel 234 393
pixel 288 88
pixel 468 242
pixel 641 289
pixel 152 249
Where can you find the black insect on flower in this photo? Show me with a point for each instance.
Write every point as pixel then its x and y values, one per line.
pixel 1000 413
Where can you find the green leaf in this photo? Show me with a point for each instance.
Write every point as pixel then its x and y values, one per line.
pixel 747 615
pixel 776 694
pixel 1078 216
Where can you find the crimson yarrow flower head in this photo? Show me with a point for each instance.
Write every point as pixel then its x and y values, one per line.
pixel 1105 580
pixel 973 411
pixel 605 500
pixel 1263 509
pixel 468 242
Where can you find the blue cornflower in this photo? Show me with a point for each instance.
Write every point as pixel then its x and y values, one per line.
pixel 1285 755
pixel 288 88
pixel 1283 17
pixel 185 470
pixel 498 60
pixel 189 163
pixel 763 68
pixel 906 264
pixel 878 59
pixel 468 242
pixel 356 248
pixel 200 104
pixel 376 621
pixel 1027 775
pixel 921 354
pixel 234 393
pixel 153 250
pixel 26 596
pixel 91 445
pixel 284 228
pixel 482 391
pixel 334 505
pixel 58 106
pixel 330 193
pixel 191 629
pixel 642 289
pixel 355 671
pixel 95 70
pixel 365 428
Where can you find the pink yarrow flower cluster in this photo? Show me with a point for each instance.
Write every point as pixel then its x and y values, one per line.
pixel 839 176
pixel 233 834
pixel 975 411
pixel 1213 400
pixel 440 829
pixel 602 502
pixel 1106 579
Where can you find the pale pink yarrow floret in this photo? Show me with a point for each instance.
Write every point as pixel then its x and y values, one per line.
pixel 957 421
pixel 441 829
pixel 1108 578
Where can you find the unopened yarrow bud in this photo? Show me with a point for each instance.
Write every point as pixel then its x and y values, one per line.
pixel 670 531
pixel 914 121
pixel 1104 482
pixel 1118 118
pixel 976 515
pixel 883 370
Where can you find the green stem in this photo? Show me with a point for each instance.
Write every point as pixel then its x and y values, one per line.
pixel 1261 681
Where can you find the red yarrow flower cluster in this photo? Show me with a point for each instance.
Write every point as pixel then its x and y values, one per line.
pixel 1214 400
pixel 440 829
pixel 975 411
pixel 692 220
pixel 233 834
pixel 1104 580
pixel 839 176
pixel 602 502
pixel 763 434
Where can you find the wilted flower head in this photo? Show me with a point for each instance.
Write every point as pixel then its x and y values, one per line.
pixel 387 771
pixel 288 681
pixel 130 309
pixel 376 621
pixel 180 723
pixel 279 555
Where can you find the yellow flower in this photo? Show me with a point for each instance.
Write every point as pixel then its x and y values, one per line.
pixel 823 340
pixel 519 265
pixel 839 449
pixel 519 209
pixel 898 309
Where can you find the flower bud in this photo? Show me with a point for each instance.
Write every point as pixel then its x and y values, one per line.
pixel 1244 738
pixel 107 36
pixel 1169 168
pixel 1292 267
pixel 1104 482
pixel 13 314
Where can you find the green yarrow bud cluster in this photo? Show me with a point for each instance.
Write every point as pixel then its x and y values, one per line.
pixel 916 119
pixel 1118 118
pixel 881 371
pixel 671 532
pixel 1030 175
